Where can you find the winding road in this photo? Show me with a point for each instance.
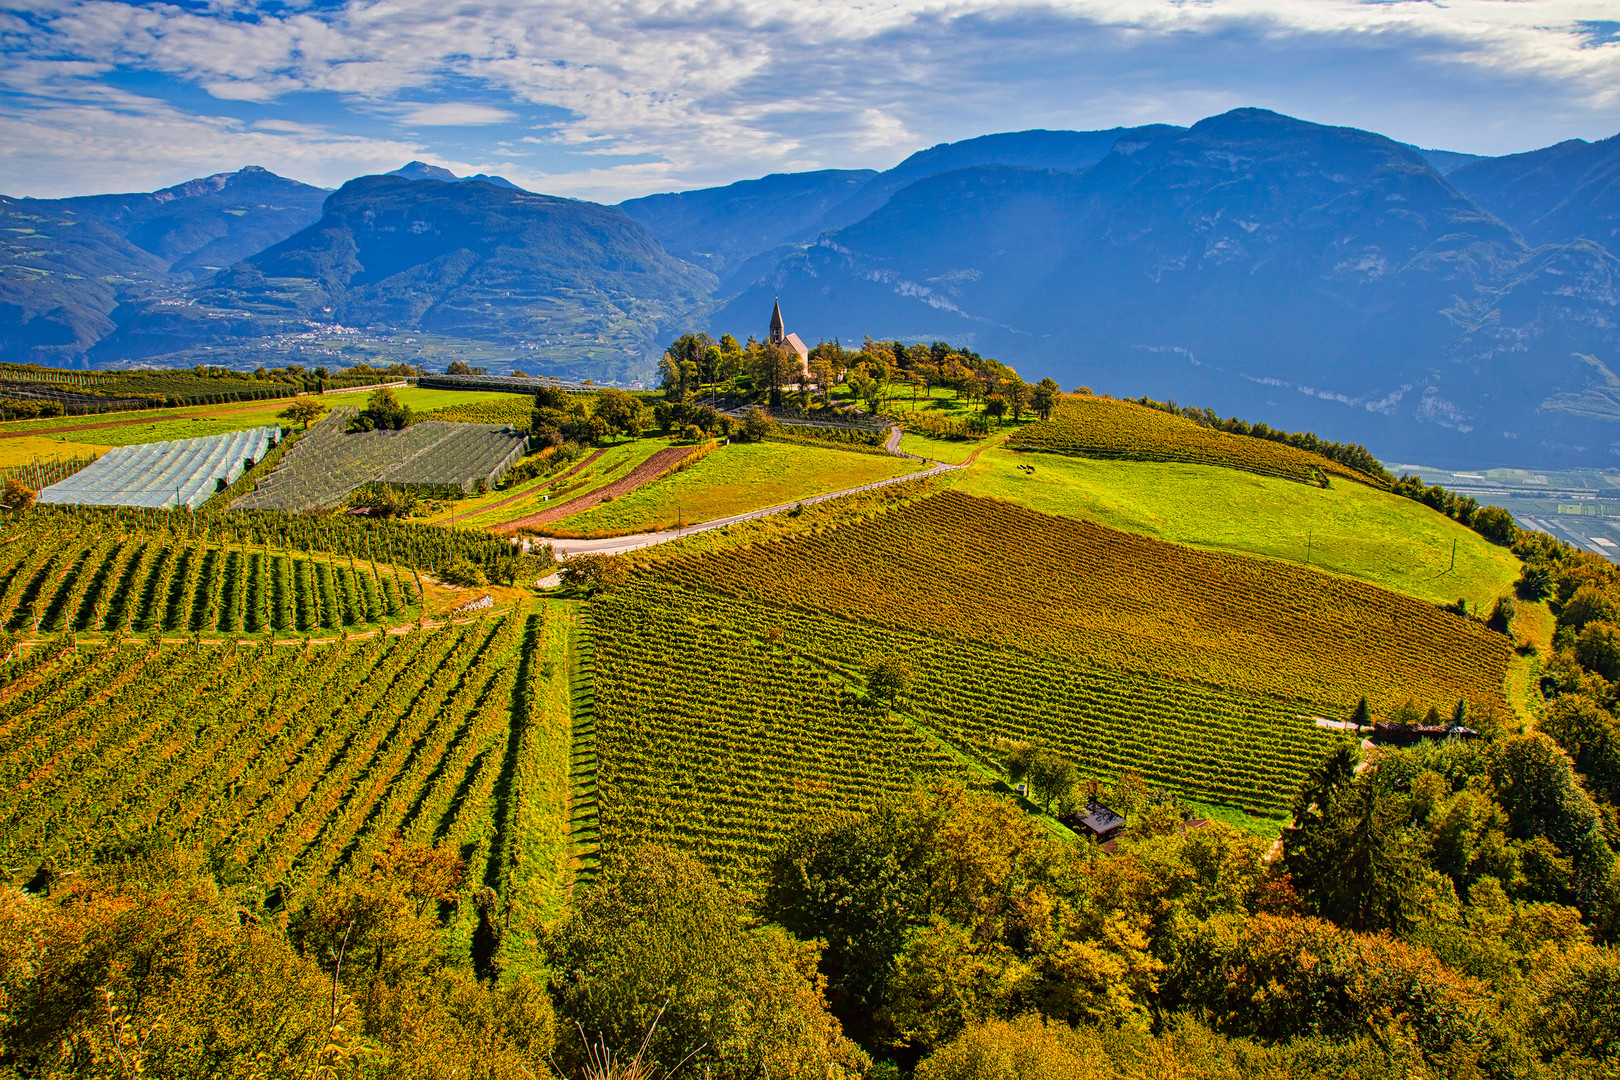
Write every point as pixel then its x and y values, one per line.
pixel 619 545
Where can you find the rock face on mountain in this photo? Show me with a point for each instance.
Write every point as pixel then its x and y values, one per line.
pixel 1326 277
pixel 470 260
pixel 68 262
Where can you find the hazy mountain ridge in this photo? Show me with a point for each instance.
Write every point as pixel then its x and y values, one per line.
pixel 69 262
pixel 1328 277
pixel 472 260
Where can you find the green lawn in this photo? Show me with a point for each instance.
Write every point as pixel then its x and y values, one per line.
pixel 1349 529
pixel 542 493
pixel 733 480
pixel 952 451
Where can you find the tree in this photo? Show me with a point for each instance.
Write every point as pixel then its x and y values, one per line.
pixel 995 405
pixel 305 411
pixel 1496 525
pixel 1044 398
pixel 459 367
pixel 662 953
pixel 600 573
pixel 620 411
pixel 383 411
pixel 889 679
pixel 756 425
pixel 1051 778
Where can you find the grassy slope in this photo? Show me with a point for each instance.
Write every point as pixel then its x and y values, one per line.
pixel 1353 530
pixel 613 464
pixel 735 479
pixel 953 451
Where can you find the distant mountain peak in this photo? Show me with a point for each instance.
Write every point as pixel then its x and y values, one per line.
pixel 421 170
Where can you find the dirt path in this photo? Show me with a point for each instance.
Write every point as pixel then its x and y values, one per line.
pixel 570 471
pixel 648 470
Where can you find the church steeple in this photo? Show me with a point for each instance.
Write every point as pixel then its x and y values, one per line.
pixel 778 328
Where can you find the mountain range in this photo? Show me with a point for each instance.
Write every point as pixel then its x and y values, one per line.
pixel 1432 304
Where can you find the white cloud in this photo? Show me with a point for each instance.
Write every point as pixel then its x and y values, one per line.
pixel 712 90
pixel 456 114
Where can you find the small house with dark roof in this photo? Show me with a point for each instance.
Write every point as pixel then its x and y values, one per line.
pixel 780 336
pixel 1098 822
pixel 1412 734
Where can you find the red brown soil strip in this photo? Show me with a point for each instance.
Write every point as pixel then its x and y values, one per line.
pixel 187 413
pixel 641 474
pixel 570 471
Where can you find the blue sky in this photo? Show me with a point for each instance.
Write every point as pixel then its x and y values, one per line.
pixel 609 100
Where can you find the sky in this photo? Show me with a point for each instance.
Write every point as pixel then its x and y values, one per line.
pixel 606 101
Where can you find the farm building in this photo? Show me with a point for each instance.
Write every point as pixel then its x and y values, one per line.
pixel 1412 734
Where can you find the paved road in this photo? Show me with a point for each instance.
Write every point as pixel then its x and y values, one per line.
pixel 618 545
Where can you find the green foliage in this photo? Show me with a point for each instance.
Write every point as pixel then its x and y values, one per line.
pixel 383 412
pixel 661 952
pixel 889 679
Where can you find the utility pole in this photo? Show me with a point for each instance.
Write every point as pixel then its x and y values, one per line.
pixel 1307 547
pixel 1453 565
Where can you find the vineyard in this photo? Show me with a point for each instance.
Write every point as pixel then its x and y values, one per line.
pixel 977 570
pixel 136 583
pixel 719 742
pixel 1106 428
pixel 184 472
pixel 425 547
pixel 80 392
pixel 287 764
pixel 1210 745
pixel 329 463
pixel 512 411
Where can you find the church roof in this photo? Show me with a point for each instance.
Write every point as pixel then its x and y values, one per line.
pixel 776 318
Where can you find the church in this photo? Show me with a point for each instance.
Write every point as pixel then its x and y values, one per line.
pixel 780 336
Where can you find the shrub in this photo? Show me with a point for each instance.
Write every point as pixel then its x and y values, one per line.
pixel 466 573
pixel 1496 525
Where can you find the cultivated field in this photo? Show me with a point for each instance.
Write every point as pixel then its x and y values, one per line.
pixel 989 572
pixel 1106 428
pixel 733 480
pixel 292 763
pixel 328 463
pixel 185 472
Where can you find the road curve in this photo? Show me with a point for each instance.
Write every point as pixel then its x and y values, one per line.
pixel 619 545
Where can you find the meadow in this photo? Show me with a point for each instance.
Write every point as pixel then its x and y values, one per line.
pixel 594 471
pixel 733 480
pixel 1346 528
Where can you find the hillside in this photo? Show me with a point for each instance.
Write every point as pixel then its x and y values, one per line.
pixel 470 260
pixel 782 758
pixel 1254 264
pixel 69 262
pixel 1556 195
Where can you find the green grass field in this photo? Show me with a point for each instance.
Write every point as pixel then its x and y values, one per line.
pixel 952 451
pixel 735 479
pixel 1350 529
